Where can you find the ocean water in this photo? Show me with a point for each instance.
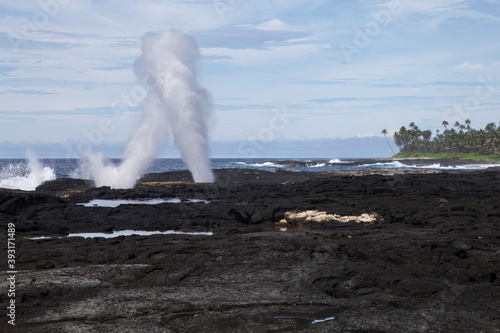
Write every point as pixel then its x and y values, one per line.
pixel 28 174
pixel 119 233
pixel 118 202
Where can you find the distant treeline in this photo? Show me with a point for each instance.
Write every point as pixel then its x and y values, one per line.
pixel 457 139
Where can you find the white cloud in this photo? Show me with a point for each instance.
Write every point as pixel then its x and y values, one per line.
pixel 244 11
pixel 441 10
pixel 433 6
pixel 468 67
pixel 20 5
pixel 274 24
pixel 244 37
pixel 271 54
pixel 259 51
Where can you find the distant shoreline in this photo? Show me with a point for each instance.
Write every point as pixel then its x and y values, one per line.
pixel 468 157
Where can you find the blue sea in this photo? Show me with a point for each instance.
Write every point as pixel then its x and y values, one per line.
pixel 27 174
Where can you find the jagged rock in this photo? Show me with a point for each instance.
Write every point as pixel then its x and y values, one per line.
pixel 421 266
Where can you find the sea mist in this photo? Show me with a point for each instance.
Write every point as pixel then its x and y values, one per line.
pixel 26 176
pixel 175 105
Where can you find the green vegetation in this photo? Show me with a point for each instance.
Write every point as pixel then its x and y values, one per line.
pixel 459 141
pixel 466 156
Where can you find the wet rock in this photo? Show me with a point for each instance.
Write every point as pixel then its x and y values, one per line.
pixel 64 186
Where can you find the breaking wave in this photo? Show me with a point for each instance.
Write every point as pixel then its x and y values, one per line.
pixel 336 164
pixel 261 164
pixel 25 175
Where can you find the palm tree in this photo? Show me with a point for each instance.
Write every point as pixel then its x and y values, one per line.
pixel 426 140
pixel 458 138
pixel 384 132
pixel 403 139
pixel 490 130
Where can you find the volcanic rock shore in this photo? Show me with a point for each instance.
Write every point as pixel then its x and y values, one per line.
pixel 350 251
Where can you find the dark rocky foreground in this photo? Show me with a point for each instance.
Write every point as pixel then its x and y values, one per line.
pixel 428 262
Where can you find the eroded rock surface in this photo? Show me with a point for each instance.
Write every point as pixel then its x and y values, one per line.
pixel 422 265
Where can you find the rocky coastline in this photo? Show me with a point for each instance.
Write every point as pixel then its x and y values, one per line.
pixel 346 251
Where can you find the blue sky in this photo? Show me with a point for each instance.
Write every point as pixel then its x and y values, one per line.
pixel 277 69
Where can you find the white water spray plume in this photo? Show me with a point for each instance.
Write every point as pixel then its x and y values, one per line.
pixel 175 105
pixel 24 176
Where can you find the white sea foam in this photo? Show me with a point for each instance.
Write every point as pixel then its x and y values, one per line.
pixel 435 166
pixel 458 167
pixel 26 176
pixel 271 164
pixel 337 161
pixel 438 166
pixel 261 164
pixel 379 165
